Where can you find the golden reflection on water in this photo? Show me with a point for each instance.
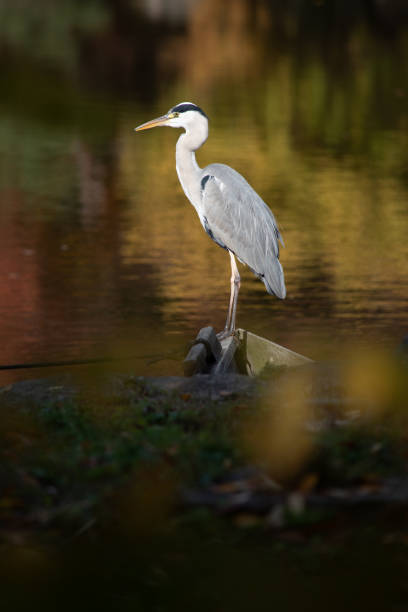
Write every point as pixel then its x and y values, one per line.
pixel 344 226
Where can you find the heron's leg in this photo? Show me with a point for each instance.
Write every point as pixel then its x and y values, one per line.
pixel 235 285
pixel 225 332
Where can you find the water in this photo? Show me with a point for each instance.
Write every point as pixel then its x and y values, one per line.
pixel 100 252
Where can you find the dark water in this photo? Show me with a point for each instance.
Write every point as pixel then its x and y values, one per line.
pixel 100 252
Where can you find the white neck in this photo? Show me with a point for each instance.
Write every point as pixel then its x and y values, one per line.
pixel 187 168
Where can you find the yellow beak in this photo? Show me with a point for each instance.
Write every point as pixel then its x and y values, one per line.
pixel 153 123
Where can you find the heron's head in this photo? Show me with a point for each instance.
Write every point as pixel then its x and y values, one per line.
pixel 184 115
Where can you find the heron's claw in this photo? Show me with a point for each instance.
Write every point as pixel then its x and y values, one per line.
pixel 225 333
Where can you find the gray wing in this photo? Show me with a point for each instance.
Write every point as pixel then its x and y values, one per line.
pixel 236 218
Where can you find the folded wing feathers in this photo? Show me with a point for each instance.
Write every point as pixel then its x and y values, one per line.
pixel 242 221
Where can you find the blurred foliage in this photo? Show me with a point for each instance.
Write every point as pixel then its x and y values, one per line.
pixel 48 30
pixel 357 455
pixel 311 429
pixel 92 490
pixel 64 457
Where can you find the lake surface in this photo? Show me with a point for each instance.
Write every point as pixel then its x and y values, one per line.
pixel 101 254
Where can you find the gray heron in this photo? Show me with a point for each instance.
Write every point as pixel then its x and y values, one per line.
pixel 230 211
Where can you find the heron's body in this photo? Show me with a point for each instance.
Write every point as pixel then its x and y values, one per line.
pixel 230 211
pixel 239 220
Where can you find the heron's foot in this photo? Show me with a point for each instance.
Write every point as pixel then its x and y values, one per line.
pixel 225 333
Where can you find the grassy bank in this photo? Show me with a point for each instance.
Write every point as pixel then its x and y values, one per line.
pixel 128 497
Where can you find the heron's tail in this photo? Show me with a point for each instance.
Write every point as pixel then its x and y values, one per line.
pixel 275 281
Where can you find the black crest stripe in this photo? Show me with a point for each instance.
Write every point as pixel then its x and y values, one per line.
pixel 182 108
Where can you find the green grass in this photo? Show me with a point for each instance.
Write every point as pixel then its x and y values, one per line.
pixel 62 458
pixel 65 460
pixel 90 510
